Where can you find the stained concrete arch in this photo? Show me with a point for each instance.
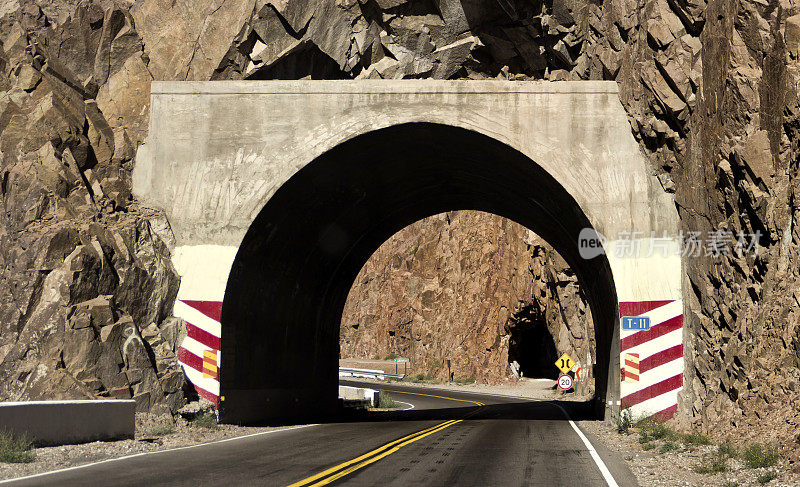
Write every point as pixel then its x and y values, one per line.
pixel 227 160
pixel 289 281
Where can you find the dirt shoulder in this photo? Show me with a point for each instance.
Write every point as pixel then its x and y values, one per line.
pixel 153 433
pixel 672 461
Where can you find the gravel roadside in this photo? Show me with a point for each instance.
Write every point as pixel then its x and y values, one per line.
pixel 153 433
pixel 677 467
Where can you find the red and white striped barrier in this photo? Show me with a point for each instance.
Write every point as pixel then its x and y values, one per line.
pixel 652 360
pixel 199 353
pixel 659 349
pixel 630 368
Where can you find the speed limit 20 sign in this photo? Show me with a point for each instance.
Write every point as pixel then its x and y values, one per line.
pixel 565 382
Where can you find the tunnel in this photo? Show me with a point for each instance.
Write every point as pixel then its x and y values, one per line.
pixel 298 260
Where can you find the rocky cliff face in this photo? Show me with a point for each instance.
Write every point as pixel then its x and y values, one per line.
pixel 710 87
pixel 471 287
pixel 87 283
pixel 738 173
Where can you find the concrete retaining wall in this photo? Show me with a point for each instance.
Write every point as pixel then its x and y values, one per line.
pixel 65 422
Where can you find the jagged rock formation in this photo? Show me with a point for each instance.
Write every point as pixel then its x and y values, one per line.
pixel 710 87
pixel 86 278
pixel 738 172
pixel 471 287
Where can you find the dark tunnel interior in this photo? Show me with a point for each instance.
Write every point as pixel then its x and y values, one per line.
pixel 532 346
pixel 297 263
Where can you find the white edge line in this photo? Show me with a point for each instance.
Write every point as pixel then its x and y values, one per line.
pixel 143 454
pixel 595 456
pixel 406 409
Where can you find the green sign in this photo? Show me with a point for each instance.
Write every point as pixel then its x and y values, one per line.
pixel 401 360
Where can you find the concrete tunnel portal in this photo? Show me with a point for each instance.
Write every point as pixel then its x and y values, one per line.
pixel 277 192
pixel 297 262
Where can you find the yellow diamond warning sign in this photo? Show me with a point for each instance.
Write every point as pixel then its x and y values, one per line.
pixel 564 363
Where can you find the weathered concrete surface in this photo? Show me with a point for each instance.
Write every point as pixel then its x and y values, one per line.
pixel 65 422
pixel 253 136
pixel 359 394
pixel 218 151
pixel 234 158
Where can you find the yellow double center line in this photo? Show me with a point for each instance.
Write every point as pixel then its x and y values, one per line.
pixel 440 397
pixel 334 473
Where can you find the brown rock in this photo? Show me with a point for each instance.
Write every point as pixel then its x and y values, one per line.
pixel 100 135
pixel 792 35
pixel 27 78
pixel 470 287
pixel 667 26
pixel 757 155
pixel 187 40
pixel 125 99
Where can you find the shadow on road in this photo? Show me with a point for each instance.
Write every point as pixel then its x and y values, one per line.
pixel 501 408
pixel 526 409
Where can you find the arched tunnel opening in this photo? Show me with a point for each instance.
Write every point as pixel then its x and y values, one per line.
pixel 290 280
pixel 467 297
pixel 531 345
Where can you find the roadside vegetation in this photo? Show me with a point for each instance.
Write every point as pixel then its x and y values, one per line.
pixel 657 436
pixel 760 456
pixel 386 402
pixel 161 430
pixel 15 449
pixel 624 422
pixel 728 449
pixel 423 378
pixel 668 446
pixel 767 477
pixel 653 430
pixel 205 419
pixel 712 463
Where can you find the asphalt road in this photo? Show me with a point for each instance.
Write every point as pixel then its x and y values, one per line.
pixel 460 439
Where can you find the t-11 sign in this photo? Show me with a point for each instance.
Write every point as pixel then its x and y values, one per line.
pixel 635 323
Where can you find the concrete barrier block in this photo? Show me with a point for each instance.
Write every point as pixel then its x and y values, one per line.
pixel 49 423
pixel 359 394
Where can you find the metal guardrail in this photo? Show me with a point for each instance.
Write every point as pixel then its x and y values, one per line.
pixel 368 373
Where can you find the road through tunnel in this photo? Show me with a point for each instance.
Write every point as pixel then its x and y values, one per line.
pixel 297 262
pixel 467 296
